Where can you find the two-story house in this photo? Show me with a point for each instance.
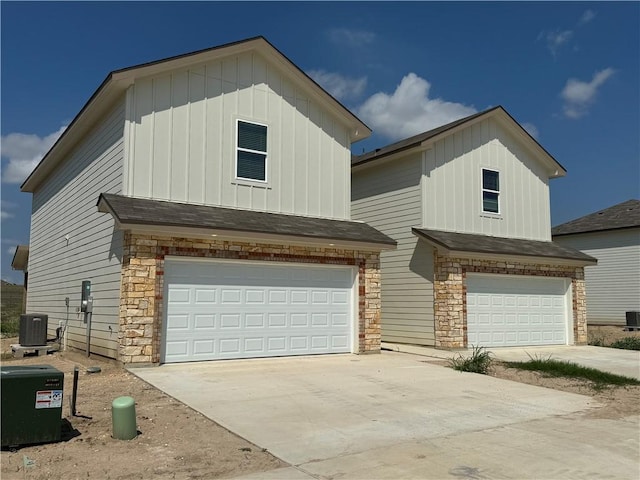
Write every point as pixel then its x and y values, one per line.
pixel 206 197
pixel 468 204
pixel 611 235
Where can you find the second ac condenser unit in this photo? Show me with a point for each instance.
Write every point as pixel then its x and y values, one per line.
pixel 33 329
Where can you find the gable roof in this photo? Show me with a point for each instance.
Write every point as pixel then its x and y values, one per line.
pixel 622 215
pixel 118 81
pixel 130 212
pixel 474 243
pixel 424 140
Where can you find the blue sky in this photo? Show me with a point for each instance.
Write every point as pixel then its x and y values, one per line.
pixel 568 72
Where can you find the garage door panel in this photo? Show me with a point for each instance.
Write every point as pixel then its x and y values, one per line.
pixel 178 322
pixel 204 322
pixel 233 310
pixel 180 295
pixel 511 311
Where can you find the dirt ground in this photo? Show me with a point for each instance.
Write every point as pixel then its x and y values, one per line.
pixel 176 442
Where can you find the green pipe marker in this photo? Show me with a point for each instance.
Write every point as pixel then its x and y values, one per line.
pixel 123 415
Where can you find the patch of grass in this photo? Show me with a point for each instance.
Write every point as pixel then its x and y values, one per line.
pixel 627 343
pixel 10 327
pixel 11 308
pixel 557 368
pixel 479 361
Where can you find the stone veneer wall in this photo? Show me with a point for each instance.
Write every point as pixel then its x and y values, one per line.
pixel 450 304
pixel 142 287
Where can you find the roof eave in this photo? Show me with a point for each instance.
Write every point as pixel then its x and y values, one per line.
pixel 104 206
pixel 555 169
pixel 20 259
pixel 470 253
pixel 600 230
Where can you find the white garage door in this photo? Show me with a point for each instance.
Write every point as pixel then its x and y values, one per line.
pixel 515 311
pixel 217 310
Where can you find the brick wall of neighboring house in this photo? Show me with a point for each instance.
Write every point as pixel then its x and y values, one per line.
pixel 450 304
pixel 142 286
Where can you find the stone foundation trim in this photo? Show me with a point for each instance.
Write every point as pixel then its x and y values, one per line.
pixel 450 294
pixel 142 285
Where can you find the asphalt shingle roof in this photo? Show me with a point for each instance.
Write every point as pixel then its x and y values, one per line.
pixel 138 211
pixel 466 242
pixel 622 215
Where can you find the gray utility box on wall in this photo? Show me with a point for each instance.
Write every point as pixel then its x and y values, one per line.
pixel 31 404
pixel 33 329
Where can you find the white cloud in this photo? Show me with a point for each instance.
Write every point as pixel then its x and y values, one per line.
pixel 5 208
pixel 586 17
pixel 341 87
pixel 23 152
pixel 409 110
pixel 12 250
pixel 351 38
pixel 578 95
pixel 556 39
pixel 531 129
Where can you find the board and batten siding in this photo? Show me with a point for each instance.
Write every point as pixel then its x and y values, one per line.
pixel 181 139
pixel 452 185
pixel 71 241
pixel 388 198
pixel 613 285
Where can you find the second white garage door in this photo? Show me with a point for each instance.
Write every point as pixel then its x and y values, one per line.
pixel 216 310
pixel 516 311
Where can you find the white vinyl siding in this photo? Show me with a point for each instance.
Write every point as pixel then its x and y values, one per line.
pixel 71 241
pixel 452 190
pixel 613 285
pixel 182 140
pixel 388 198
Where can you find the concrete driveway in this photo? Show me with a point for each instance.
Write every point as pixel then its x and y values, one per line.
pixel 397 416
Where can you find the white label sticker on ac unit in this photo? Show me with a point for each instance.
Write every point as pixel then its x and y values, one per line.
pixel 48 398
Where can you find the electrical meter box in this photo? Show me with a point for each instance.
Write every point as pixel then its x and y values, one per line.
pixel 31 404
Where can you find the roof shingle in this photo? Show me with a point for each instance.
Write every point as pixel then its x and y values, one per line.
pixel 138 211
pixel 622 215
pixel 467 242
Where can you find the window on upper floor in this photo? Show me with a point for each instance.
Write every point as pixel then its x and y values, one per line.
pixel 490 191
pixel 251 151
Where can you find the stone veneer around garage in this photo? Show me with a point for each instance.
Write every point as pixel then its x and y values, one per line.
pixel 449 290
pixel 142 287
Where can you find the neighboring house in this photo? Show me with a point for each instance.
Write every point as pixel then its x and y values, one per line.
pixel 468 204
pixel 612 236
pixel 20 262
pixel 222 227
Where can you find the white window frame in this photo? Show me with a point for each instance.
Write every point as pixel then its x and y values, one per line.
pixel 239 149
pixel 482 190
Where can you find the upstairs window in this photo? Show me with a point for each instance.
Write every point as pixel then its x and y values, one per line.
pixel 251 155
pixel 490 191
